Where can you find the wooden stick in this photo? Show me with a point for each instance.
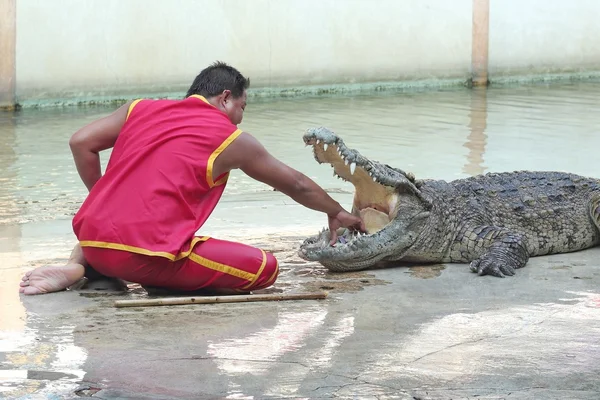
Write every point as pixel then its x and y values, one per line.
pixel 173 301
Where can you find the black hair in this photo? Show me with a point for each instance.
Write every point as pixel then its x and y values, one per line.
pixel 216 78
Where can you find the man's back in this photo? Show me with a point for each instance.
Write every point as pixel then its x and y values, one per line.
pixel 158 187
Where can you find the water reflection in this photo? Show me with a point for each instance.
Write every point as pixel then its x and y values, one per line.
pixel 243 355
pixel 477 137
pixel 47 363
pixel 12 312
pixel 457 347
pixel 280 353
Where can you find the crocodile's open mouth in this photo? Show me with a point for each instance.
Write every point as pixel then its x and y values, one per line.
pixel 379 190
pixel 373 201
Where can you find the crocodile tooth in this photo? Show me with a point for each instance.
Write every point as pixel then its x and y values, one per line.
pixel 346 161
pixel 318 141
pixel 325 147
pixel 352 168
pixel 374 179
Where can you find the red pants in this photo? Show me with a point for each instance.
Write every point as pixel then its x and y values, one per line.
pixel 213 264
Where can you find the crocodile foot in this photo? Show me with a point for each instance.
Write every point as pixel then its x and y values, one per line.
pixel 489 265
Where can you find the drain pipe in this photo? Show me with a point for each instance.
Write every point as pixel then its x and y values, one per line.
pixel 479 51
pixel 8 27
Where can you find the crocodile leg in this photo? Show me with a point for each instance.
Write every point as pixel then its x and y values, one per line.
pixel 495 251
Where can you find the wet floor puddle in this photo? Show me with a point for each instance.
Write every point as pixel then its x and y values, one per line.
pixel 300 275
pixel 426 271
pixel 343 286
pixel 562 267
pixel 39 360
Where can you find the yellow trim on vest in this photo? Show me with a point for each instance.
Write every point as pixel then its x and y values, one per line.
pixel 201 98
pixel 226 269
pixel 142 251
pixel 213 157
pixel 260 270
pixel 215 154
pixel 222 180
pixel 131 107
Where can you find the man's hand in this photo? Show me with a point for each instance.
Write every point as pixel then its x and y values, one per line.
pixel 344 219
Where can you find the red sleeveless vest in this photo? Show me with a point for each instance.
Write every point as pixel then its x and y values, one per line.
pixel 158 187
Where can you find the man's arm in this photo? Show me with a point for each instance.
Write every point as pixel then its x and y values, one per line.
pixel 87 142
pixel 249 155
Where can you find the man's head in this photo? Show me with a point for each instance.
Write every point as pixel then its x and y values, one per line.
pixel 224 87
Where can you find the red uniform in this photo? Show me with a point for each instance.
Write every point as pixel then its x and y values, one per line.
pixel 139 221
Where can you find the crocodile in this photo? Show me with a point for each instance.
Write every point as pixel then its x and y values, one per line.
pixel 495 221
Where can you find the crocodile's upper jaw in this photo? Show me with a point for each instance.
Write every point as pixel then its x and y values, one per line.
pixel 377 199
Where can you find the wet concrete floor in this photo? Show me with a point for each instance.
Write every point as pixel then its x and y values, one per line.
pixel 420 332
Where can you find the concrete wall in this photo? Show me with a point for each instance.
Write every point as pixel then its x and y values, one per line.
pixel 84 49
pixel 543 36
pixel 83 46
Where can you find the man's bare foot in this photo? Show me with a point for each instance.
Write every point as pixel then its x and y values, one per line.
pixel 51 278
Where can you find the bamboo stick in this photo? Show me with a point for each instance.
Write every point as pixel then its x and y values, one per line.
pixel 173 301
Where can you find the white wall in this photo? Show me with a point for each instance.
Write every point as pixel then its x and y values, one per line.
pixel 75 48
pixel 74 45
pixel 529 36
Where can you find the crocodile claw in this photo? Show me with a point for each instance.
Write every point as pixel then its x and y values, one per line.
pixel 486 265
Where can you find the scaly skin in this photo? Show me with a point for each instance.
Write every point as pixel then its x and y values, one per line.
pixel 495 221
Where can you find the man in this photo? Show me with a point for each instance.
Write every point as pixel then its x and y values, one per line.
pixel 168 169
